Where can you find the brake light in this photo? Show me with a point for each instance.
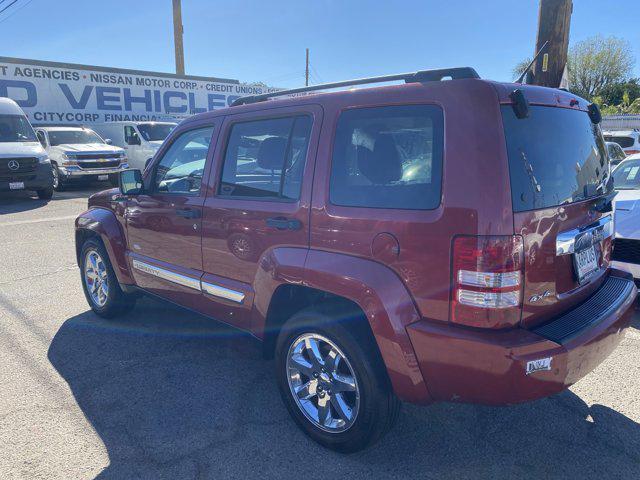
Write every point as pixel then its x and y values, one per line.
pixel 487 280
pixel 631 152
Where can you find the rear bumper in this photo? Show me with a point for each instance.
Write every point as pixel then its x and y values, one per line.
pixel 41 178
pixel 465 365
pixel 632 268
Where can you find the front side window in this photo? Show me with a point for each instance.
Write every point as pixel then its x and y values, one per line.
pixel 73 137
pixel 41 138
pixel 181 168
pixel 388 157
pixel 266 158
pixel 16 128
pixel 130 135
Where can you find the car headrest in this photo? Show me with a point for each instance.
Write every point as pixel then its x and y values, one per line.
pixel 271 153
pixel 382 165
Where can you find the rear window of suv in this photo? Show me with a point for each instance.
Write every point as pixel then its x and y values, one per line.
pixel 624 142
pixel 556 156
pixel 388 157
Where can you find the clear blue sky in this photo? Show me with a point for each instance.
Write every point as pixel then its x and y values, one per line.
pixel 265 40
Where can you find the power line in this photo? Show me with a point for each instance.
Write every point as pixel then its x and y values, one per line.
pixel 8 6
pixel 15 10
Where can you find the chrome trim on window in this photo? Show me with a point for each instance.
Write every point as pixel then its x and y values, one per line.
pixel 226 293
pixel 168 275
pixel 580 238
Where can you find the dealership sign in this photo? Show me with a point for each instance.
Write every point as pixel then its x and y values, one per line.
pixel 56 93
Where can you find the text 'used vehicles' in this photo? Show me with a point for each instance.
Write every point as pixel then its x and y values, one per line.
pixel 431 241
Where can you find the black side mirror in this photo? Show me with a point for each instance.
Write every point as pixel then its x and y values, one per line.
pixel 133 140
pixel 594 113
pixel 131 182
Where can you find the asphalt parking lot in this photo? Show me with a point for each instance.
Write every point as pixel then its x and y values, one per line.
pixel 164 393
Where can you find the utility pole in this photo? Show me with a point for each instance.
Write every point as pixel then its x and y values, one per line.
pixel 177 36
pixel 306 71
pixel 554 20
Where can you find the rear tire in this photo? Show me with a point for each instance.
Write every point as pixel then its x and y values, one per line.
pixel 336 412
pixel 99 282
pixel 45 194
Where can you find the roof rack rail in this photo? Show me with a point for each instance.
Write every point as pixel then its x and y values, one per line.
pixel 413 77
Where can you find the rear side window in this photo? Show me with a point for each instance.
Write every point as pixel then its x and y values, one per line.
pixel 627 175
pixel 388 157
pixel 556 156
pixel 624 142
pixel 266 158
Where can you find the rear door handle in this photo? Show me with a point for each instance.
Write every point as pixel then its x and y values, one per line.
pixel 282 223
pixel 188 213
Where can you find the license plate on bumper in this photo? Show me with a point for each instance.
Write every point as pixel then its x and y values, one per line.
pixel 103 177
pixel 585 263
pixel 16 186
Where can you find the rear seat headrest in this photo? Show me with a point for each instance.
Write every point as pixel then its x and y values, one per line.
pixel 382 165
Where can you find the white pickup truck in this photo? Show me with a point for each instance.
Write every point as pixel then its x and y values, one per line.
pixel 80 154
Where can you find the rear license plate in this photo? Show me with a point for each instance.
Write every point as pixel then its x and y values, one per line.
pixel 103 177
pixel 586 263
pixel 16 186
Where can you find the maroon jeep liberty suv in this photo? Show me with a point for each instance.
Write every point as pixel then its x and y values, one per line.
pixel 444 239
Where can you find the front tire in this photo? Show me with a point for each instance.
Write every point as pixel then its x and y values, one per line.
pixel 45 194
pixel 99 282
pixel 333 382
pixel 58 184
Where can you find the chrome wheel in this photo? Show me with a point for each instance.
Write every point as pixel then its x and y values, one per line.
pixel 323 383
pixel 56 177
pixel 96 278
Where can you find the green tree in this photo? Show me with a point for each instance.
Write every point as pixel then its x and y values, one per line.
pixel 596 66
pixel 598 62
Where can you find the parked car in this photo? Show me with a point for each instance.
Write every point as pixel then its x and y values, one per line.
pixel 377 258
pixel 629 140
pixel 626 245
pixel 615 152
pixel 24 165
pixel 79 154
pixel 141 140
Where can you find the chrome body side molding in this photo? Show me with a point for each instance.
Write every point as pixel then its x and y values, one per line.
pixel 578 239
pixel 190 282
pixel 222 292
pixel 167 275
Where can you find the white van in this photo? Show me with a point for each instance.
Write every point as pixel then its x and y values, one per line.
pixel 24 164
pixel 141 140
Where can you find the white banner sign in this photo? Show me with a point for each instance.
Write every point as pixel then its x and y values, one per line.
pixel 66 93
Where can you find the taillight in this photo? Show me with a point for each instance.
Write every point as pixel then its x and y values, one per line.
pixel 631 152
pixel 487 281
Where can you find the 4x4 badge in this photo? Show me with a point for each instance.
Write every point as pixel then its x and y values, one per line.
pixel 540 296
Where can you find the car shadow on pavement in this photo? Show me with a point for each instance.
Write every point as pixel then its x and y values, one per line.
pixel 175 395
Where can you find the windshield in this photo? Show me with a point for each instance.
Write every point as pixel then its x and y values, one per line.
pixel 556 156
pixel 624 142
pixel 71 137
pixel 16 128
pixel 155 131
pixel 627 175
